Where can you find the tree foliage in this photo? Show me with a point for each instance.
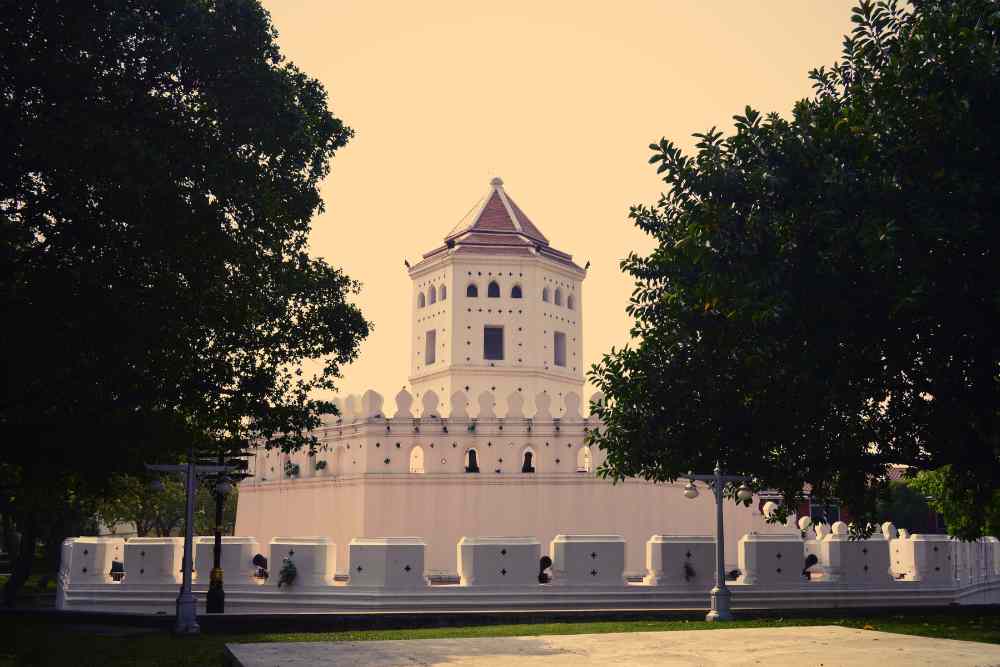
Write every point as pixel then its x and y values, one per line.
pixel 822 300
pixel 160 174
pixel 952 501
pixel 134 503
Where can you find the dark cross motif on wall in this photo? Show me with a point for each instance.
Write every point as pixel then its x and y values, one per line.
pixel 687 555
pixel 593 554
pixel 407 568
pixel 593 573
pixel 503 552
pixel 359 568
pixel 503 572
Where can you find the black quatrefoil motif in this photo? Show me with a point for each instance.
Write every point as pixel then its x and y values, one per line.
pixel 503 573
pixel 593 573
pixel 778 570
pixel 593 554
pixel 864 550
pixel 85 552
pixel 407 568
pixel 503 552
pixel 359 568
pixel 687 555
pixel 778 556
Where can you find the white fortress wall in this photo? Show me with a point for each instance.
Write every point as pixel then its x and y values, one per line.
pixel 367 489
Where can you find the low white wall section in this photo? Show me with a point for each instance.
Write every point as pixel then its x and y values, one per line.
pixel 386 562
pixel 315 560
pixel 498 561
pixel 864 562
pixel 588 560
pixel 771 559
pixel 91 557
pixel 153 560
pixel 932 559
pixel 686 561
pixel 237 559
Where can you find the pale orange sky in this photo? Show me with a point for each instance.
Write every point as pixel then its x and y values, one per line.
pixel 560 99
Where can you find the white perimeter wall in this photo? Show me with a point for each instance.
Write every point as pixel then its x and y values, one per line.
pixel 442 508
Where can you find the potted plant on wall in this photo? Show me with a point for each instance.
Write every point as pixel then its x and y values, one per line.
pixel 291 469
pixel 320 465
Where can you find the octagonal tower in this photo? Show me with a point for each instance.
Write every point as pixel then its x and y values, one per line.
pixel 496 308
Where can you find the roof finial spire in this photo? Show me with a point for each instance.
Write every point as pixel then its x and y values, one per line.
pixel 496 182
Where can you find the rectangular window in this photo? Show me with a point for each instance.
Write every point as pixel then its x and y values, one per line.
pixel 493 342
pixel 559 348
pixel 430 347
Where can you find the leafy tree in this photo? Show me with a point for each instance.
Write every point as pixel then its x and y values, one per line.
pixel 822 299
pixel 160 512
pixel 952 501
pixel 907 507
pixel 160 174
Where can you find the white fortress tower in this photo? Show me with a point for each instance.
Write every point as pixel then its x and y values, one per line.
pixel 492 439
pixel 496 308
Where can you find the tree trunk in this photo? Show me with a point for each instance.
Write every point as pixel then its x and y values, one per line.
pixel 22 563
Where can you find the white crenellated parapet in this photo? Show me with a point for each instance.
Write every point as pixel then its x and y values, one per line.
pixel 924 558
pixel 683 561
pixel 854 562
pixel 315 560
pixel 153 560
pixel 588 560
pixel 993 560
pixel 386 562
pixel 236 561
pixel 87 560
pixel 404 405
pixel 498 561
pixel 371 405
pixel 773 555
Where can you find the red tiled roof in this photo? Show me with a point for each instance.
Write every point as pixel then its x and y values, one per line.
pixel 496 225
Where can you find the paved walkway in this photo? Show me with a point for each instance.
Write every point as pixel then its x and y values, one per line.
pixel 828 646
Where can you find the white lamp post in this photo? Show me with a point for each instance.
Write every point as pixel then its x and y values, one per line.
pixel 720 594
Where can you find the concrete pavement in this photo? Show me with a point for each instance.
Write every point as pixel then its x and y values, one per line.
pixel 827 646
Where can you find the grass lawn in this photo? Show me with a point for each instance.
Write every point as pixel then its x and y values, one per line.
pixel 27 641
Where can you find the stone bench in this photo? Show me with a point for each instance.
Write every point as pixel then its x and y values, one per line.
pixel 386 562
pixel 588 560
pixel 153 560
pixel 237 559
pixel 686 561
pixel 498 561
pixel 315 560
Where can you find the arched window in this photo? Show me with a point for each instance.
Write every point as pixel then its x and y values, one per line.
pixel 528 461
pixel 558 298
pixel 420 300
pixel 515 292
pixel 432 295
pixel 417 459
pixel 545 294
pixel 569 301
pixel 471 461
pixel 444 293
pixel 472 290
pixel 584 461
pixel 493 290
